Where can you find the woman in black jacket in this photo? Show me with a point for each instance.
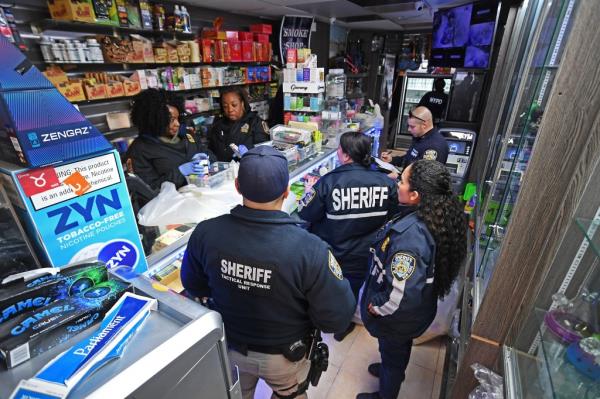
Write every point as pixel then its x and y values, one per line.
pixel 238 125
pixel 161 152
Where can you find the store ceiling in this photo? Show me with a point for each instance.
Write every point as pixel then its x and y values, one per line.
pixel 353 14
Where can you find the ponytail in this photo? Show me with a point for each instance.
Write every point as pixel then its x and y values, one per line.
pixel 358 147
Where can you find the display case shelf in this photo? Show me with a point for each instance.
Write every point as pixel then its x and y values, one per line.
pixel 305 109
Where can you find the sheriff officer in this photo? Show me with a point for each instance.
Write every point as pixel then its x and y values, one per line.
pixel 347 206
pixel 427 143
pixel 238 125
pixel 270 280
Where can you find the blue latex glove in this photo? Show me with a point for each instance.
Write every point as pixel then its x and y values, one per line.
pixel 194 166
pixel 187 168
pixel 242 149
pixel 199 156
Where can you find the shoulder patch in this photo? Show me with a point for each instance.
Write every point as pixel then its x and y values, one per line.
pixel 335 267
pixel 430 155
pixel 245 128
pixel 306 199
pixel 190 138
pixel 265 127
pixel 403 266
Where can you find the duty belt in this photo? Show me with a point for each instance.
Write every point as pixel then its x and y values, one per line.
pixel 244 348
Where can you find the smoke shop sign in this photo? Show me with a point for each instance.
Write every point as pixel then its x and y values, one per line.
pixel 294 33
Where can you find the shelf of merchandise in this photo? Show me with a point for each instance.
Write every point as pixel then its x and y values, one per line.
pixel 74 26
pixel 305 109
pixel 141 65
pixel 101 100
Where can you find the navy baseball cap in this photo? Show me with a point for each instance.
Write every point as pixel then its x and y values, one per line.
pixel 263 175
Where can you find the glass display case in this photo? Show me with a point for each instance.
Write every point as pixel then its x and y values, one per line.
pixel 531 81
pixel 556 353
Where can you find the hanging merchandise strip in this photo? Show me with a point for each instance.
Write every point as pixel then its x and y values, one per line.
pixel 571 272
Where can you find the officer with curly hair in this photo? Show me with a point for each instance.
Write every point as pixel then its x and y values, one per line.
pixel 416 258
pixel 162 152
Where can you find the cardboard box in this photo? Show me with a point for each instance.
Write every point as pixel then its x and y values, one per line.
pixel 72 10
pixel 56 75
pixel 184 52
pixel 235 50
pixel 139 77
pixel 261 28
pixel 248 51
pixel 258 51
pixel 245 36
pixel 115 89
pixel 73 91
pixel 222 51
pixel 232 35
pixel 261 37
pixel 160 54
pixel 82 212
pixel 131 87
pixel 36 332
pixel 213 34
pixel 109 15
pixel 20 296
pixel 172 56
pixel 208 50
pixel 115 49
pixel 96 92
pixel 137 55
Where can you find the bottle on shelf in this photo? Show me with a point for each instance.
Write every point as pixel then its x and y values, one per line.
pixel 46 47
pixel 177 20
pixel 159 17
pixel 187 21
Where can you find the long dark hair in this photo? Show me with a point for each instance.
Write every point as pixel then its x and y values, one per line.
pixel 150 112
pixel 357 146
pixel 442 213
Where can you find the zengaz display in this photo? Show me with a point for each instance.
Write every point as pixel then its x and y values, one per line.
pixel 463 35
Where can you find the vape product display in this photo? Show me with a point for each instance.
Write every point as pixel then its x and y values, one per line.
pixel 35 332
pixel 37 288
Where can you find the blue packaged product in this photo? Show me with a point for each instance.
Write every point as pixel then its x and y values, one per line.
pixel 36 332
pixel 306 74
pixel 299 75
pixel 23 292
pixel 38 125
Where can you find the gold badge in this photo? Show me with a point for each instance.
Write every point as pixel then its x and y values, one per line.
pixel 385 244
pixel 245 127
pixel 190 138
pixel 430 155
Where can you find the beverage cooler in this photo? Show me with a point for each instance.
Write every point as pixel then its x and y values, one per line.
pixel 414 88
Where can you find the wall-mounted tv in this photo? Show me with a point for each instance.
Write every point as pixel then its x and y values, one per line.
pixel 463 35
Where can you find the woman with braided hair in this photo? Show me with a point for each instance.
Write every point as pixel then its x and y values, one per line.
pixel 416 258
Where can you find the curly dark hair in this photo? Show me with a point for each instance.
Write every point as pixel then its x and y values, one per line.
pixel 442 213
pixel 357 146
pixel 240 92
pixel 150 112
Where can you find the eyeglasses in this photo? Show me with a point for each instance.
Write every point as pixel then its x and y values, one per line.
pixel 411 115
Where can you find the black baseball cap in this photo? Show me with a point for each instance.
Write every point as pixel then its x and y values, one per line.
pixel 263 175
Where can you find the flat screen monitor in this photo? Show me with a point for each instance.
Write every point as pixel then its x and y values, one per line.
pixel 463 35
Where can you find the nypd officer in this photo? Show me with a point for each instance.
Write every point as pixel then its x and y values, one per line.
pixel 347 206
pixel 436 100
pixel 427 143
pixel 238 125
pixel 270 280
pixel 416 258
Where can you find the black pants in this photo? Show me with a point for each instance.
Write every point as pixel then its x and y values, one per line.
pixel 356 281
pixel 395 354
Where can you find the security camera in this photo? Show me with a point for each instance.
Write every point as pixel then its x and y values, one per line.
pixel 419 5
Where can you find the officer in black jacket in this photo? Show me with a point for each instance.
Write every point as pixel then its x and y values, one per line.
pixel 427 143
pixel 270 280
pixel 436 100
pixel 238 125
pixel 347 206
pixel 160 149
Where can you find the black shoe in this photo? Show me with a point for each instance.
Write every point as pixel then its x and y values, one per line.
pixel 371 395
pixel 340 336
pixel 374 369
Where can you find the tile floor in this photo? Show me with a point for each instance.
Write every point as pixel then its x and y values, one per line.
pixel 347 373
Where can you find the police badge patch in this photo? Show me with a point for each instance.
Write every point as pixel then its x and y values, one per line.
pixel 430 155
pixel 335 267
pixel 403 266
pixel 245 128
pixel 190 138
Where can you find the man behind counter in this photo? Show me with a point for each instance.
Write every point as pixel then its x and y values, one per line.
pixel 238 125
pixel 270 280
pixel 427 143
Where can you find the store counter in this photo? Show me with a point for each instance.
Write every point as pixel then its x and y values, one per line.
pixel 178 352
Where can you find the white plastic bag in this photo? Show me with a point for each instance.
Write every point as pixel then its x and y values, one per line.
pixel 491 385
pixel 171 207
pixel 443 318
